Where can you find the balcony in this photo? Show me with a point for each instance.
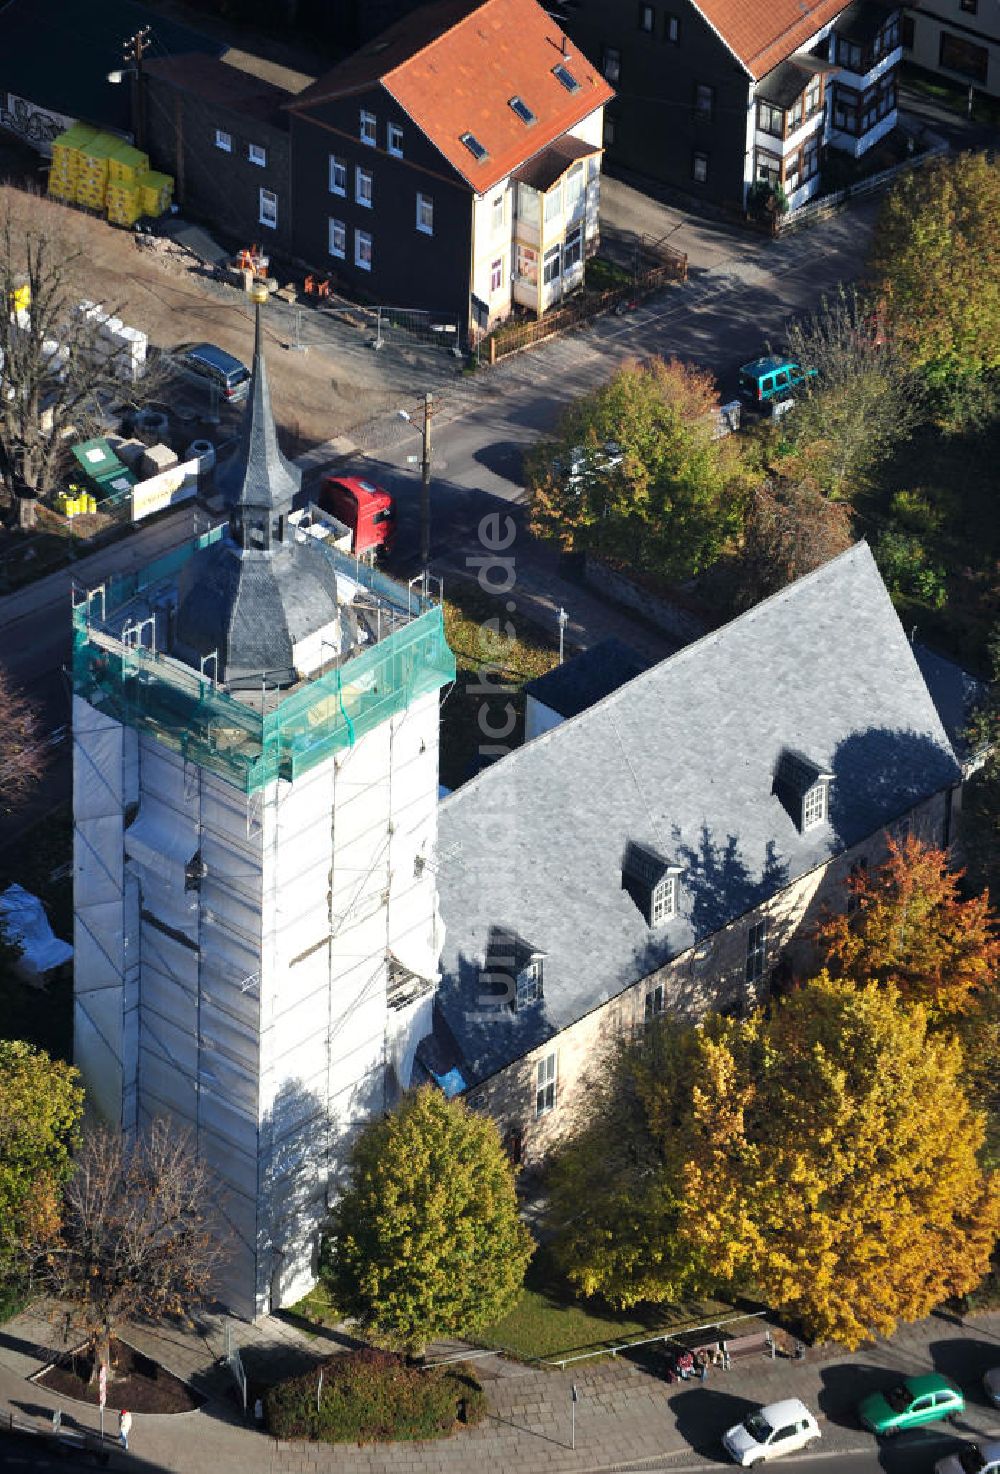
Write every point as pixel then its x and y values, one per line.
pixel 877 67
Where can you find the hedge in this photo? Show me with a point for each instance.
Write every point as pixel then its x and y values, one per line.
pixel 374 1396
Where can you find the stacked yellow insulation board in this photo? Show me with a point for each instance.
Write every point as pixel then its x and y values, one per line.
pixel 103 172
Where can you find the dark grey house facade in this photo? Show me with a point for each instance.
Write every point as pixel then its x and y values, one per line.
pixel 223 134
pixel 715 96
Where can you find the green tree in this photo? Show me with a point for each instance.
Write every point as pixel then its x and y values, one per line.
pixel 41 1102
pixel 936 262
pixel 426 1240
pixel 635 472
pixel 910 928
pixel 864 399
pixel 980 816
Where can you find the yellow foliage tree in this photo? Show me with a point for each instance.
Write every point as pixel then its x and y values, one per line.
pixel 869 1197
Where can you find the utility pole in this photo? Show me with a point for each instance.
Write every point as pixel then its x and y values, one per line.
pixel 425 491
pixel 133 51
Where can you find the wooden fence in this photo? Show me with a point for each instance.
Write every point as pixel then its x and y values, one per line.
pixel 823 205
pixel 513 337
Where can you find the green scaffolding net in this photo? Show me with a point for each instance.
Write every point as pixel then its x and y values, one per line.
pixel 249 747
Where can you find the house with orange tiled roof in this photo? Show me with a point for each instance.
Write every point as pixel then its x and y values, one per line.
pixel 453 164
pixel 714 97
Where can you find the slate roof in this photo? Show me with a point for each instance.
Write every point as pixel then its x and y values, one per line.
pixel 57 53
pixel 760 33
pixel 955 693
pixel 576 684
pixel 453 67
pixel 249 604
pixel 682 760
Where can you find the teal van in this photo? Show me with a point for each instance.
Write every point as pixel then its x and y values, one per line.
pixel 770 381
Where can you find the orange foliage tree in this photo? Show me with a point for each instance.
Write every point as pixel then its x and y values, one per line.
pixel 909 927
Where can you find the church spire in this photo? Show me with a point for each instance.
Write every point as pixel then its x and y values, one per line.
pixel 258 476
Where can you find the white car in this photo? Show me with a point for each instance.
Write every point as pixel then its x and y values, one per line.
pixel 973 1458
pixel 991 1385
pixel 780 1428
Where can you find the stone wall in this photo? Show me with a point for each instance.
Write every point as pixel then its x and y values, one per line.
pixel 680 624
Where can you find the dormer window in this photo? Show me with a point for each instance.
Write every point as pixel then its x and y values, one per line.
pixel 652 882
pixel 514 969
pixel 803 788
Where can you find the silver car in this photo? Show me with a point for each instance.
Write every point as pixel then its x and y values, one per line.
pixel 779 1428
pixel 213 367
pixel 973 1458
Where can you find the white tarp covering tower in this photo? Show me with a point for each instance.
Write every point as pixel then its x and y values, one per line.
pixel 255 794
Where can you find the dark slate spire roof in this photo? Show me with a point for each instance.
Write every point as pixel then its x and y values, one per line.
pixel 258 475
pixel 251 597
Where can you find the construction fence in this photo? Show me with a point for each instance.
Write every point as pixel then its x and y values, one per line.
pixel 512 337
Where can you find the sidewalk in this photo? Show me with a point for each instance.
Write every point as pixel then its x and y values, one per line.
pixel 626 1418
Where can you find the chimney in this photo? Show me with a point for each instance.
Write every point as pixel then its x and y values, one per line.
pixel 565 48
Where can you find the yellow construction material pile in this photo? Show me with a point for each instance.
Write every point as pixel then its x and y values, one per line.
pixel 102 172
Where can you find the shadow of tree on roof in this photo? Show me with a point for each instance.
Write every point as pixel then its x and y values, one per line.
pixel 880 775
pixel 720 883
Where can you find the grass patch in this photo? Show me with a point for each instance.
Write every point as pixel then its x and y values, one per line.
pixel 486 638
pixel 602 275
pixel 314 1309
pixel 550 1321
pixel 951 95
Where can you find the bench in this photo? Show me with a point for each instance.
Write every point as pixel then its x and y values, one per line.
pixel 751 1345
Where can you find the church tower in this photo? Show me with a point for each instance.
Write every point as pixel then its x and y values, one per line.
pixel 255 722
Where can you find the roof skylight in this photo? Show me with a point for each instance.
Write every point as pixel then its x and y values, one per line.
pixel 476 149
pixel 565 76
pixel 522 109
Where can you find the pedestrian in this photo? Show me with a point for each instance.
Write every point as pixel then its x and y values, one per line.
pixel 703 1366
pixel 124 1427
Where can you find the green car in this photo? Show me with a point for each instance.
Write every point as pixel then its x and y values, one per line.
pixel 910 1403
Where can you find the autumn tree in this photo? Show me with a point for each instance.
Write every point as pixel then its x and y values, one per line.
pixel 57 370
pixel 908 927
pixel 23 754
pixel 866 1187
pixel 821 1155
pixel 864 399
pixel 661 1124
pixel 426 1240
pixel 936 262
pixel 140 1233
pixel 41 1102
pixel 636 473
pixel 790 529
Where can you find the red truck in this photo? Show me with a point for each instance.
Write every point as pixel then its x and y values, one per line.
pixel 366 509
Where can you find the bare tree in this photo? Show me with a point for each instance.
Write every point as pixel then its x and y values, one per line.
pixel 864 398
pixel 141 1234
pixel 57 371
pixel 24 752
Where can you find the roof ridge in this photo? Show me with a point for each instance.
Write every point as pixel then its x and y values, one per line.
pixel 441 35
pixel 858 550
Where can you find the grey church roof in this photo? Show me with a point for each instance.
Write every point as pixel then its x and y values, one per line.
pixel 597 671
pixel 681 760
pixel 249 598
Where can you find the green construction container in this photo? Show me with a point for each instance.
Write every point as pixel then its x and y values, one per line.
pixel 103 469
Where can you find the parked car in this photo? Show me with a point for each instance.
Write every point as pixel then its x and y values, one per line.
pixel 205 364
pixel 912 1402
pixel 589 462
pixel 779 1428
pixel 972 1458
pixel 991 1385
pixel 768 382
pixel 368 510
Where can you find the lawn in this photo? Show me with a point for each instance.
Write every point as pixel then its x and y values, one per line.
pixel 952 95
pixel 478 628
pixel 549 1321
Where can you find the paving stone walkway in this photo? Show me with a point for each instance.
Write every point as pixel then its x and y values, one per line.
pixel 627 1418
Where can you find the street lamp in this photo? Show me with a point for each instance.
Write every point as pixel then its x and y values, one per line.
pixel 425 483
